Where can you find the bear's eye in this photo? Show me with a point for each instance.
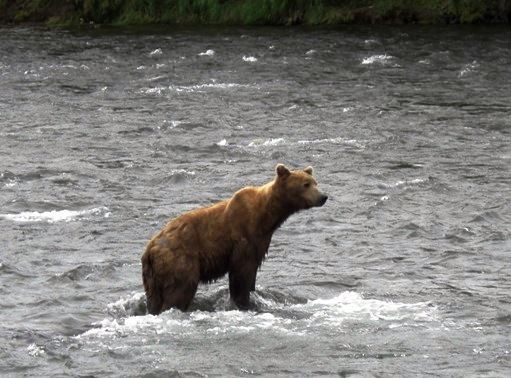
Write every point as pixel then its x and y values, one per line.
pixel 307 184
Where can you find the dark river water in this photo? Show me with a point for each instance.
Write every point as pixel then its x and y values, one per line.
pixel 106 134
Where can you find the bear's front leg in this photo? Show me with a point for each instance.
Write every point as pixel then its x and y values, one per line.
pixel 241 282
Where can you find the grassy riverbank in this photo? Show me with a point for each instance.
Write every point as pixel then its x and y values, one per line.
pixel 253 12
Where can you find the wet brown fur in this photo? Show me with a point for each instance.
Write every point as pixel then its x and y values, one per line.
pixel 232 236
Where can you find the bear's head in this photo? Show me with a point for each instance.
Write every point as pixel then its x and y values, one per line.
pixel 299 188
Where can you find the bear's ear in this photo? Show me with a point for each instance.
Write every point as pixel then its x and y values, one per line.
pixel 282 171
pixel 308 170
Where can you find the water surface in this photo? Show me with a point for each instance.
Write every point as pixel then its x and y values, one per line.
pixel 106 134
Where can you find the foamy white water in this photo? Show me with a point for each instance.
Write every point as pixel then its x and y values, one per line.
pixel 209 52
pixel 267 142
pixel 379 59
pixel 250 59
pixel 156 52
pixel 55 216
pixel 334 313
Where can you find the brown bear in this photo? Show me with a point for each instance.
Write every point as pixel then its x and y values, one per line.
pixel 231 236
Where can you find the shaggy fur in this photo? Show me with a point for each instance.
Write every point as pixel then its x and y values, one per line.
pixel 232 236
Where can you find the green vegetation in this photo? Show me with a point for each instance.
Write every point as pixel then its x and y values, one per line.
pixel 253 12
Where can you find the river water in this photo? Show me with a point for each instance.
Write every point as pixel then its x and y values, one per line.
pixel 106 134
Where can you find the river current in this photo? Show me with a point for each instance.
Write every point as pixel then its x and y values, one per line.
pixel 106 134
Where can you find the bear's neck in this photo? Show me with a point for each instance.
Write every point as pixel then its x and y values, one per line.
pixel 277 211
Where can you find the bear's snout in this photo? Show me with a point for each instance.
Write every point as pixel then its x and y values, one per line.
pixel 318 199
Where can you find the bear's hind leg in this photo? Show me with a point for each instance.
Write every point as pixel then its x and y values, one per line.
pixel 179 294
pixel 154 302
pixel 151 285
pixel 182 284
